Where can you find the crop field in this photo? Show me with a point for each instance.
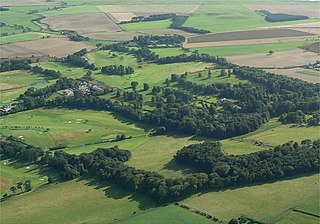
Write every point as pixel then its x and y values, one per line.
pixel 26 3
pixel 122 16
pixel 161 24
pixel 305 10
pixel 268 202
pixel 21 37
pixel 15 83
pixel 244 49
pixel 303 74
pixel 82 23
pixel 297 57
pixel 314 47
pixel 52 127
pixel 68 198
pixel 167 215
pixel 42 47
pixel 247 35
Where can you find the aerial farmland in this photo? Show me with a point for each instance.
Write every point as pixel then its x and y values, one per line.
pixel 159 112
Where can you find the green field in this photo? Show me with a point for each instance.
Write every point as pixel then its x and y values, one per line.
pixel 223 51
pixel 77 201
pixel 268 202
pixel 166 52
pixel 103 58
pixel 17 82
pixel 311 73
pixel 167 215
pixel 21 37
pixel 51 127
pixel 72 10
pixel 222 17
pixel 161 24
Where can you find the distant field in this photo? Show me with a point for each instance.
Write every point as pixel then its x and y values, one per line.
pixel 76 201
pixel 53 47
pixel 51 127
pixel 303 74
pixel 26 3
pixel 161 24
pixel 252 48
pixel 314 47
pixel 279 59
pixel 103 58
pixel 22 37
pixel 268 202
pixel 167 215
pixel 247 35
pixel 82 23
pixel 311 73
pixel 71 10
pixel 165 52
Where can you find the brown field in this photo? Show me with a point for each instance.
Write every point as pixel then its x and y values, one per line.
pixel 247 35
pixel 82 23
pixel 315 47
pixel 128 35
pixel 4 183
pixel 288 9
pixel 295 73
pixel 26 3
pixel 122 16
pixel 313 28
pixel 281 59
pixel 52 47
pixel 243 42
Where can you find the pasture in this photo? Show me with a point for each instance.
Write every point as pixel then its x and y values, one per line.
pixel 75 201
pixel 22 37
pixel 269 202
pixel 167 215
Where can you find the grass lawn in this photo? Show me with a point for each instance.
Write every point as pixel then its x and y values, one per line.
pixel 76 201
pixel 166 52
pixel 167 215
pixel 50 127
pixel 267 202
pixel 215 78
pixel 161 24
pixel 252 48
pixel 102 58
pixel 298 218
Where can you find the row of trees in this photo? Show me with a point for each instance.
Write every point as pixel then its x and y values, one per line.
pixel 117 70
pixel 179 21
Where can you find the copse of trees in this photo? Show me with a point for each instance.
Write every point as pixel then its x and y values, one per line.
pixel 235 170
pixel 179 21
pixel 15 64
pixel 48 73
pixel 78 59
pixel 281 17
pixel 117 70
pixel 297 117
pixel 154 17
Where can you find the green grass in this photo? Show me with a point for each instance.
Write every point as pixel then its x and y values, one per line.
pixel 267 202
pixel 252 48
pixel 66 127
pixel 167 215
pixel 13 172
pixel 72 10
pixel 298 218
pixel 151 73
pixel 20 37
pixel 311 73
pixel 215 78
pixel 161 24
pixel 14 83
pixel 76 201
pixel 311 205
pixel 222 17
pixel 102 58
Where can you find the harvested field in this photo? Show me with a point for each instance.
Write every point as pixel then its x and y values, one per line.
pixel 313 28
pixel 82 23
pixel 122 16
pixel 288 9
pixel 52 47
pixel 295 73
pixel 315 47
pixel 26 3
pixel 247 35
pixel 282 59
pixel 244 42
pixel 154 9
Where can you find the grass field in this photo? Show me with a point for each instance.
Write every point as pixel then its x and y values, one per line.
pixel 14 83
pixel 166 52
pixel 311 73
pixel 21 37
pixel 161 24
pixel 50 127
pixel 268 202
pixel 77 201
pixel 167 215
pixel 72 10
pixel 251 48
pixel 222 17
pixel 215 78
pixel 102 58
